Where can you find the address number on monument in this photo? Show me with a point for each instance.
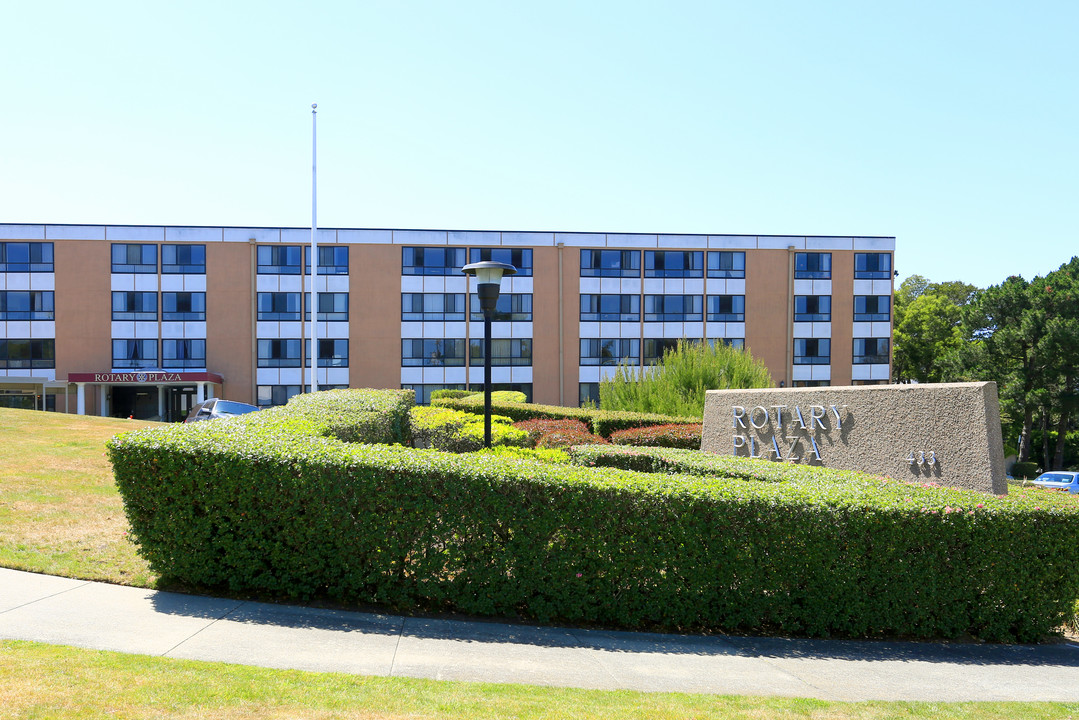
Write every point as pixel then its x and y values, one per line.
pixel 922 457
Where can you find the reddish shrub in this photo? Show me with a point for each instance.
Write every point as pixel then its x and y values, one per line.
pixel 538 427
pixel 686 436
pixel 569 438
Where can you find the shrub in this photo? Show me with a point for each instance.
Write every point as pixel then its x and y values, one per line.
pixel 539 427
pixel 274 503
pixel 686 436
pixel 547 455
pixel 1025 470
pixel 451 393
pixel 568 437
pixel 369 416
pixel 677 385
pixel 456 431
pixel 602 422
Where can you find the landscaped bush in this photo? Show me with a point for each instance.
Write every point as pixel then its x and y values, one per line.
pixel 601 422
pixel 539 427
pixel 1025 470
pixel 547 455
pixel 568 437
pixel 273 503
pixel 451 393
pixel 686 436
pixel 455 431
pixel 365 416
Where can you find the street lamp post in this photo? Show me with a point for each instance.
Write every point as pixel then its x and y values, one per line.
pixel 488 276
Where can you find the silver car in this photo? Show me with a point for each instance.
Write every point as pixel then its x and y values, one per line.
pixel 217 408
pixel 1059 480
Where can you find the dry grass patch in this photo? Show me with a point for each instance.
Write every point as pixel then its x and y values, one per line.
pixel 60 512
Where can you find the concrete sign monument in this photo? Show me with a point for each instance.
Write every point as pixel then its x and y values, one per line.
pixel 933 432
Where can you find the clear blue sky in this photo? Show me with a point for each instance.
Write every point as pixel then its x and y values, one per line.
pixel 953 126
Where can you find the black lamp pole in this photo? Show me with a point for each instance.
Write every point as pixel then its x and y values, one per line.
pixel 488 276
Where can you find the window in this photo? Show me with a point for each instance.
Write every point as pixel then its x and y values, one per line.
pixel 504 351
pixel 812 308
pixel 811 383
pixel 331 352
pixel 812 351
pixel 610 308
pixel 278 306
pixel 726 264
pixel 332 259
pixel 183 306
pixel 872 266
pixel 433 353
pixel 130 305
pixel 588 393
pixel 520 258
pixel 871 351
pixel 739 343
pixel 674 263
pixel 432 307
pixel 183 259
pixel 423 392
pixel 611 351
pixel 21 354
pixel 25 257
pixel 610 263
pixel 332 307
pixel 279 353
pixel 655 348
pixel 432 261
pixel 134 258
pixel 134 353
pixel 813 265
pixel 727 308
pixel 27 305
pixel 279 259
pixel 183 353
pixel 270 395
pixel 515 307
pixel 672 308
pixel 872 308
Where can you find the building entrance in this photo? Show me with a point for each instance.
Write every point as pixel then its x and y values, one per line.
pixel 178 403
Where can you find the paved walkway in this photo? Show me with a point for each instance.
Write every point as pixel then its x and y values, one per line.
pixel 109 617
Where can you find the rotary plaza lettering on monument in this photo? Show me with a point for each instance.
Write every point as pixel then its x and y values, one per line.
pixel 946 432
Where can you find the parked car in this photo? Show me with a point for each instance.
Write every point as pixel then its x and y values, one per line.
pixel 217 408
pixel 1059 480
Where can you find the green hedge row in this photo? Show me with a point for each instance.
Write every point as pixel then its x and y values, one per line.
pixel 601 422
pixel 274 503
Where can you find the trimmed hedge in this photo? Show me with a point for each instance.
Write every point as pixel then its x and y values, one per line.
pixel 366 416
pixel 456 431
pixel 686 436
pixel 601 422
pixel 435 394
pixel 274 503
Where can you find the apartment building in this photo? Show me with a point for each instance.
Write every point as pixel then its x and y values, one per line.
pixel 145 321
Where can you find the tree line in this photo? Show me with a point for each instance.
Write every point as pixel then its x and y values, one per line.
pixel 1024 335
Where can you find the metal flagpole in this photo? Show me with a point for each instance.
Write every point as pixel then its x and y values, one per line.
pixel 313 357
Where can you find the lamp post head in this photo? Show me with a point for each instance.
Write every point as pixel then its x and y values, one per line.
pixel 488 274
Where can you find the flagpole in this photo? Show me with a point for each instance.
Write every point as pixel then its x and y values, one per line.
pixel 314 252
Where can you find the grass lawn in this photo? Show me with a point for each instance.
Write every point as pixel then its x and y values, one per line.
pixel 61 514
pixel 59 682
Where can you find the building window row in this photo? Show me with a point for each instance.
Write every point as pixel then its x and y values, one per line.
pixel 450 260
pixel 143 353
pixel 27 305
pixel 718 264
pixel 450 352
pixel 818 351
pixel 286 353
pixel 270 395
pixel 285 306
pixel 18 354
pixel 175 306
pixel 285 259
pixel 23 257
pixel 450 307
pixel 141 258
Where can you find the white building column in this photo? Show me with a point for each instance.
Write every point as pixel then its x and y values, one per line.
pixel 80 401
pixel 103 400
pixel 161 403
pixel 200 392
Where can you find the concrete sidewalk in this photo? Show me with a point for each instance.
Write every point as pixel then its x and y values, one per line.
pixel 109 617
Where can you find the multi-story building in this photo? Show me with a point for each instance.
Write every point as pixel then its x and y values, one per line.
pixel 146 321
